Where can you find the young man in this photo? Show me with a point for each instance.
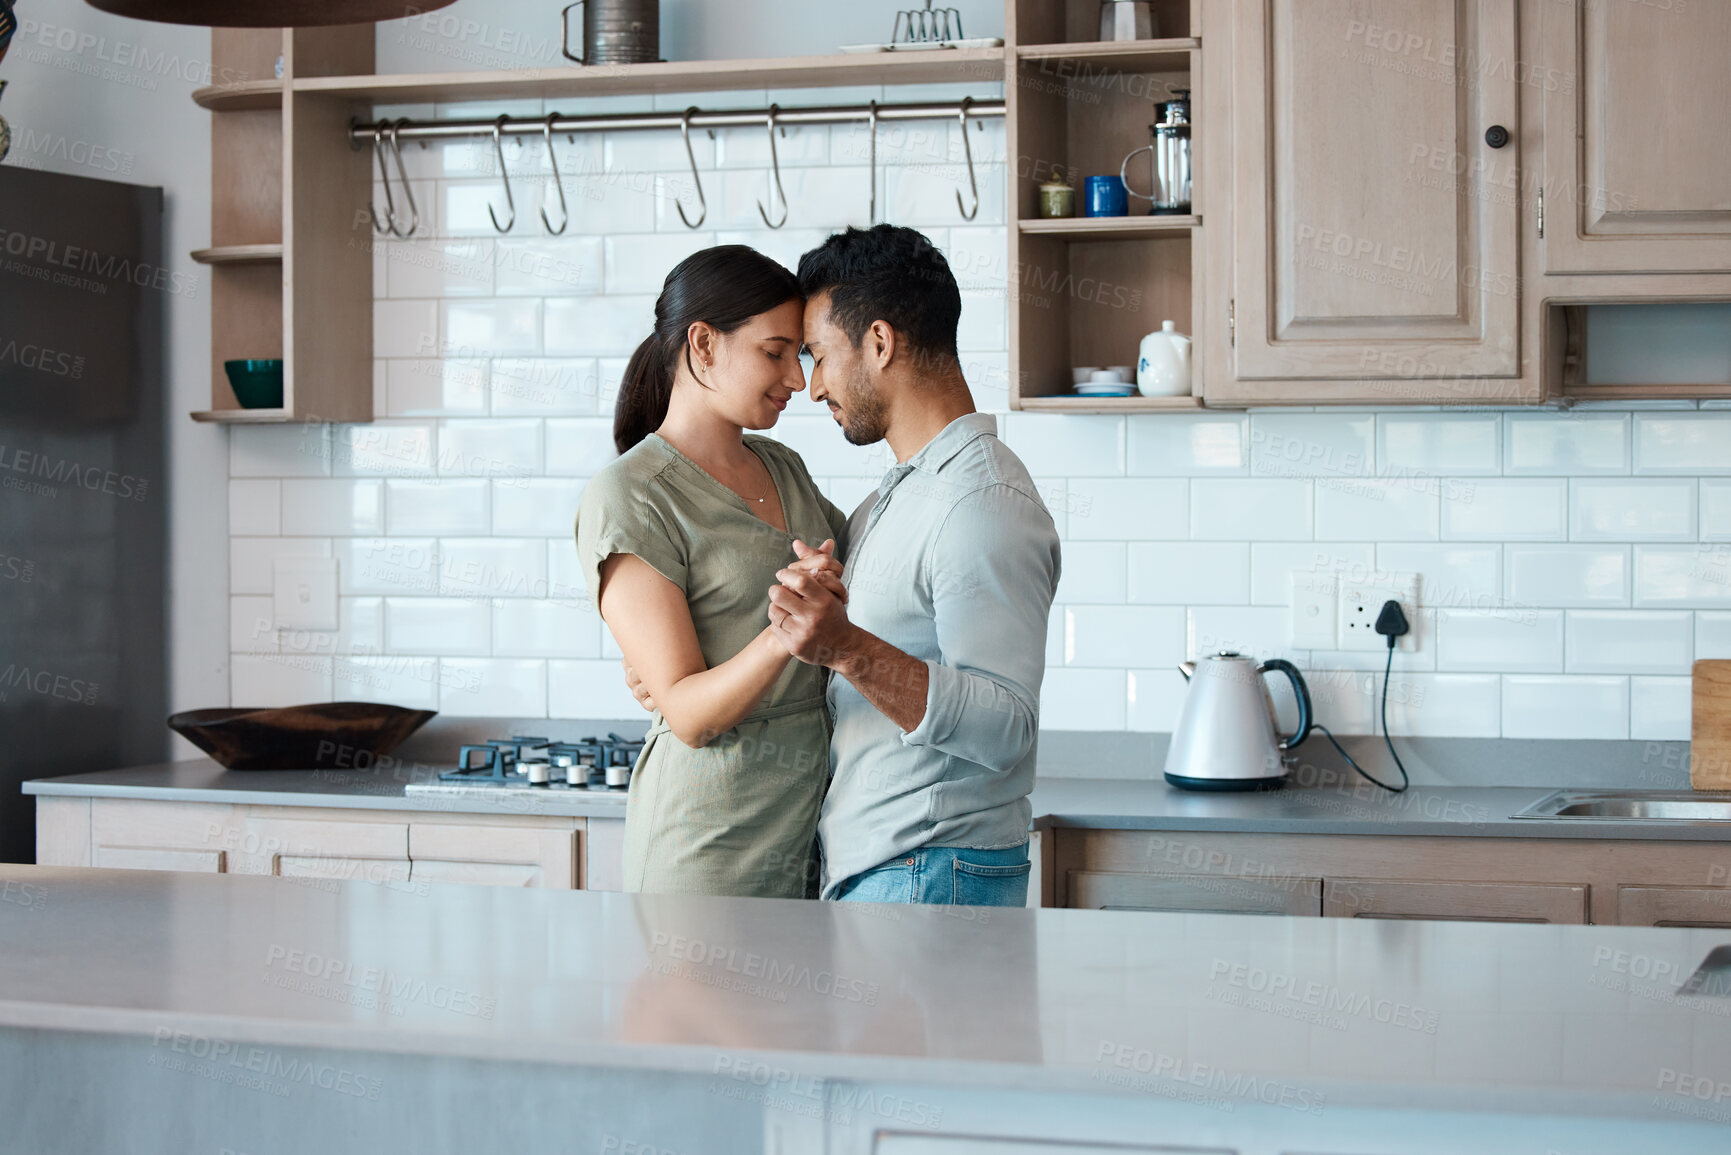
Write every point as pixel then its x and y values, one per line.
pixel 939 650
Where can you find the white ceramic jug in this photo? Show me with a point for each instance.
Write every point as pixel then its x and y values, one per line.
pixel 1163 369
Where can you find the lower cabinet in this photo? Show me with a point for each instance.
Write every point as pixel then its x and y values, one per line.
pixel 1454 901
pixel 1674 906
pixel 1198 893
pixel 488 855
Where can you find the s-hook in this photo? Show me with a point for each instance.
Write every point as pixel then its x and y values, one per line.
pixel 775 166
pixel 510 204
pixel 389 224
pixel 968 151
pixel 696 182
pixel 872 162
pixel 553 164
pixel 403 179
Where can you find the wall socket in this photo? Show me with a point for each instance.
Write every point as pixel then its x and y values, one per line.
pixel 1315 609
pixel 1359 602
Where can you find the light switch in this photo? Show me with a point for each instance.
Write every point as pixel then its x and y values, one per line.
pixel 1314 608
pixel 306 593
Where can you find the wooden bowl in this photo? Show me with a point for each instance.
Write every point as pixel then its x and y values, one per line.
pixel 324 736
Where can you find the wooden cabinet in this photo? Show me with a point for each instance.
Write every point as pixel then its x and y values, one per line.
pixel 1372 237
pixel 1198 893
pixel 1637 143
pixel 483 853
pixel 126 834
pixel 351 845
pixel 1702 906
pixel 1454 901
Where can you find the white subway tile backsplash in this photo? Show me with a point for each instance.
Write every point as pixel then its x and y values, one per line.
pixel 405 680
pixel 650 151
pixel 1214 445
pixel 589 689
pixel 265 681
pixel 1713 634
pixel 1083 699
pixel 639 264
pixel 255 508
pixel 1691 443
pixel 812 433
pixel 1438 444
pixel 1444 705
pixel 505 328
pixel 279 450
pixel 426 269
pixel 578 446
pixel 548 266
pixel 1118 509
pixel 537 507
pixel 416 388
pixel 1330 444
pixel 1565 444
pixel 1566 575
pixel 1450 576
pixel 1190 573
pixel 437 626
pixel 1155 699
pixel 923 196
pixel 507 448
pixel 1683 576
pixel 405 328
pixel 251 625
pixel 1234 509
pixel 1403 509
pixel 1122 636
pixel 1498 640
pixel 1260 632
pixel 496 567
pixel 493 687
pixel 1272 563
pixel 536 628
pixel 985 322
pixel 597 326
pixel 333 508
pixel 1660 709
pixel 444 505
pixel 1715 510
pixel 562 386
pixel 1630 641
pixel 382 449
pixel 1565 707
pixel 1632 509
pixel 1054 446
pixel 379 565
pixel 1526 510
pixel 252 560
pixel 1093 572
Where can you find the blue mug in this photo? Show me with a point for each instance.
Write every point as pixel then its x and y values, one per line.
pixel 1107 197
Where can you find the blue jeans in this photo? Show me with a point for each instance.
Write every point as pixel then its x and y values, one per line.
pixel 945 875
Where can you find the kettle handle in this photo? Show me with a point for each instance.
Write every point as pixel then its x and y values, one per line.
pixel 1299 691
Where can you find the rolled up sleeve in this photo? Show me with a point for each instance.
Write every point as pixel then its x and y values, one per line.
pixel 992 572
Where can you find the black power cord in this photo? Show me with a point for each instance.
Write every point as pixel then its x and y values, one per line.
pixel 1391 623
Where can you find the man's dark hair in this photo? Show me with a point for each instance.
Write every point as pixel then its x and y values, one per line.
pixel 888 273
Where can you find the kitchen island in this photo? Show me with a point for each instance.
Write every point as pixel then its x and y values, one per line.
pixel 371 1016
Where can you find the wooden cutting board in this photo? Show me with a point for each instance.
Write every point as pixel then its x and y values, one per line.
pixel 1710 726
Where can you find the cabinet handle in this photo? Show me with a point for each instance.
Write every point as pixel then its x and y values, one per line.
pixel 1496 136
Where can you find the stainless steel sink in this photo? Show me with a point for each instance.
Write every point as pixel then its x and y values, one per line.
pixel 1631 806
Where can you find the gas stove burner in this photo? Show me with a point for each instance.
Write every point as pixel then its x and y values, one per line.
pixel 586 764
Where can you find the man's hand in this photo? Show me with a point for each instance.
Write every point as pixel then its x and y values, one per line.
pixel 637 688
pixel 821 564
pixel 809 619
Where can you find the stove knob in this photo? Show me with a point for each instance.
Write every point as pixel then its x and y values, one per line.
pixel 539 774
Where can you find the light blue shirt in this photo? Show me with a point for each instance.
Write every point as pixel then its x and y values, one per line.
pixel 955 562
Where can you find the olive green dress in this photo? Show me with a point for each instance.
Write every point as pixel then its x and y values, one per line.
pixel 738 816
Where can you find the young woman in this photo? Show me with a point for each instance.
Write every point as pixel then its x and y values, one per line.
pixel 680 539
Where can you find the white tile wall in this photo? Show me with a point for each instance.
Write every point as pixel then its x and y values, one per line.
pixel 1571 564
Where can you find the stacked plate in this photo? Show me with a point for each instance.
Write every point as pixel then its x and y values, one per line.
pixel 1105 389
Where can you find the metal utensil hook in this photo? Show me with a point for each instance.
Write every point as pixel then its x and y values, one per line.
pixel 968 151
pixel 553 164
pixel 402 179
pixel 872 162
pixel 775 166
pixel 389 224
pixel 696 182
pixel 510 204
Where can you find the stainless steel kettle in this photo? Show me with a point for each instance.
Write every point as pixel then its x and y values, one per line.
pixel 1225 738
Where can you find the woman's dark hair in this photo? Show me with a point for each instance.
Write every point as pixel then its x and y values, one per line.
pixel 888 273
pixel 724 287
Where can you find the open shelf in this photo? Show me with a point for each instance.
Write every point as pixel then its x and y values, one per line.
pixel 243 416
pixel 240 97
pixel 980 65
pixel 1103 227
pixel 239 255
pixel 1069 403
pixel 1171 55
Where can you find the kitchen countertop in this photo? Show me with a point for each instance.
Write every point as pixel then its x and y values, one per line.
pixel 1575 1021
pixel 1098 803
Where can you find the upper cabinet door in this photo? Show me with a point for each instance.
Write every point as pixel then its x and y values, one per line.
pixel 1638 137
pixel 1375 228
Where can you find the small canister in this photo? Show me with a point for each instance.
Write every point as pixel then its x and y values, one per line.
pixel 1107 196
pixel 1057 199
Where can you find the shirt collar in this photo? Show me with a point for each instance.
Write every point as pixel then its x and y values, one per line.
pixel 952 439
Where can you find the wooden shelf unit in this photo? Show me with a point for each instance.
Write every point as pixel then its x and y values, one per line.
pixel 290 271
pixel 1089 289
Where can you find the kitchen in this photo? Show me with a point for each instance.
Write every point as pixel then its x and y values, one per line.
pixel 1449 300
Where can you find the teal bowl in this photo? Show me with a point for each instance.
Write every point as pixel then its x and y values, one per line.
pixel 256 384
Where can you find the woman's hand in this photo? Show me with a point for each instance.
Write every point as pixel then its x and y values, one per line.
pixel 637 688
pixel 820 564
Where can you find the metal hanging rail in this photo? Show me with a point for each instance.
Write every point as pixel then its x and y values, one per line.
pixel 387 138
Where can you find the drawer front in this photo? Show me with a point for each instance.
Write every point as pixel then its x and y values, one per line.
pixel 1199 893
pixel 1455 901
pixel 494 855
pixel 475 873
pixel 1702 906
pixel 160 858
pixel 376 870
